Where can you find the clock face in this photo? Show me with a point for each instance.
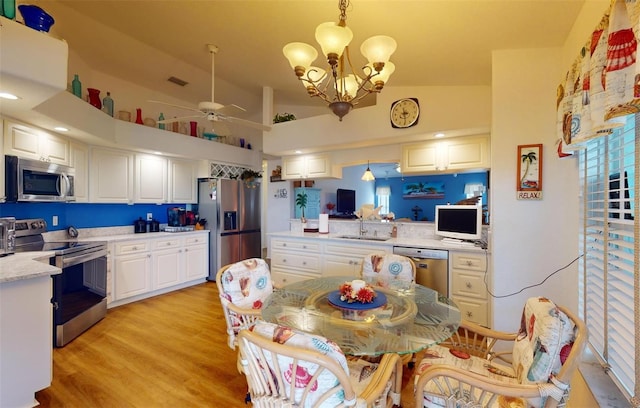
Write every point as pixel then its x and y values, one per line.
pixel 405 113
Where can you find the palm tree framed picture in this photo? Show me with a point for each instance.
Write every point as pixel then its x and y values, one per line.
pixel 529 183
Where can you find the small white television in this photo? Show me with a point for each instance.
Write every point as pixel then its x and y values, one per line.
pixel 463 222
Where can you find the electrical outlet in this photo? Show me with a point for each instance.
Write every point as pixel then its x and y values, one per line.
pixel 149 216
pixel 54 220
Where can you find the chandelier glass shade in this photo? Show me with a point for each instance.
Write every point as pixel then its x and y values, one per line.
pixel 340 85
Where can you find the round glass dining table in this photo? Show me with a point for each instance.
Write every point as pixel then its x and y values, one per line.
pixel 407 321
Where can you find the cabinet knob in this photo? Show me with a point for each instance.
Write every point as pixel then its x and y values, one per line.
pixel 186 250
pixel 135 248
pixel 469 263
pixel 469 314
pixel 304 247
pixel 148 255
pixel 468 285
pixel 284 261
pixel 284 244
pixel 304 262
pixel 168 243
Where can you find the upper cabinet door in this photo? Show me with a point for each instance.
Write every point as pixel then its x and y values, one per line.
pixel 182 181
pixel 79 160
pixel 151 179
pixel 32 143
pixel 111 176
pixel 459 153
pixel 312 166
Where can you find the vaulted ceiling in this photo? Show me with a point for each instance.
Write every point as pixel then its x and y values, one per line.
pixel 440 42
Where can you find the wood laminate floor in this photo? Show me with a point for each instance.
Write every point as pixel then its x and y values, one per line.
pixel 167 351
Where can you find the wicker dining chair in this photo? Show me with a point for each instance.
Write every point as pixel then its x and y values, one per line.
pixel 388 270
pixel 476 368
pixel 290 368
pixel 391 271
pixel 243 287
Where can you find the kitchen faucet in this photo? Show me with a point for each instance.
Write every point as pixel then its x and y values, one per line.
pixel 362 230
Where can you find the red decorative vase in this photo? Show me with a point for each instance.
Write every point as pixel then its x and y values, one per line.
pixel 139 116
pixel 194 128
pixel 94 97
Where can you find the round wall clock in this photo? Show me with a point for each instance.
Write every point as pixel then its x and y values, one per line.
pixel 405 113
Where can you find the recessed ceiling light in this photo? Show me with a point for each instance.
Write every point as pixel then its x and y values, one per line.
pixel 7 95
pixel 61 129
pixel 439 135
pixel 298 151
pixel 159 153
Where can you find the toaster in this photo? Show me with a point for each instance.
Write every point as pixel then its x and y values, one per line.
pixel 7 235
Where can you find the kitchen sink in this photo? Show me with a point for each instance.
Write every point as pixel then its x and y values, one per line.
pixel 364 237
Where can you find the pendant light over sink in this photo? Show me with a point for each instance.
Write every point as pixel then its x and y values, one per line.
pixel 368 175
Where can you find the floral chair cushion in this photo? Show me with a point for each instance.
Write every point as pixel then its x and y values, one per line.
pixel 432 397
pixel 247 283
pixel 388 270
pixel 544 341
pixel 359 371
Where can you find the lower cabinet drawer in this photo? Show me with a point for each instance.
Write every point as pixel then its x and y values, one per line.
pixel 473 311
pixel 469 284
pixel 301 261
pixel 281 278
pixel 132 247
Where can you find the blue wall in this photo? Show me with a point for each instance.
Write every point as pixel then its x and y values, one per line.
pixel 86 215
pixel 401 207
pixel 453 192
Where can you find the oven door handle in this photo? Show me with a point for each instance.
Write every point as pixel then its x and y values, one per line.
pixel 70 260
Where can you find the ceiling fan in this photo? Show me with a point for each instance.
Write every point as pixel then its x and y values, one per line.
pixel 213 111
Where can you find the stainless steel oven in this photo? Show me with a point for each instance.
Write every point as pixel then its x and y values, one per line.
pixel 79 295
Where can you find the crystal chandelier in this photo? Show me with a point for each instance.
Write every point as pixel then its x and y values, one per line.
pixel 340 89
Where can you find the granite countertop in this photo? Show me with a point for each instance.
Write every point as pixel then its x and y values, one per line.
pixel 26 265
pixel 430 243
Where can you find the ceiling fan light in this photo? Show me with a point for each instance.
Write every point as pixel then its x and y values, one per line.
pixel 299 55
pixel 333 38
pixel 378 48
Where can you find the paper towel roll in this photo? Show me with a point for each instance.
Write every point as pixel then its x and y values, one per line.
pixel 323 227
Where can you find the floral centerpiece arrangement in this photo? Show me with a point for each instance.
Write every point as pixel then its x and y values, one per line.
pixel 357 291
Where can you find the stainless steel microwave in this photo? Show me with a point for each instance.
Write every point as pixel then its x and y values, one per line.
pixel 33 180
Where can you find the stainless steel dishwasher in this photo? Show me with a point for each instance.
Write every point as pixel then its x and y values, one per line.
pixel 432 267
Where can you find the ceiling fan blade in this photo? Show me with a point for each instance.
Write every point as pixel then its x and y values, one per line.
pixel 179 119
pixel 245 122
pixel 176 106
pixel 230 109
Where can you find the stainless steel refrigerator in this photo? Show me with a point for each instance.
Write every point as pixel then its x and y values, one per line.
pixel 232 211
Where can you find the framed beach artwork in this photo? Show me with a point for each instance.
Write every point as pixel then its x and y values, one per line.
pixel 423 190
pixel 529 176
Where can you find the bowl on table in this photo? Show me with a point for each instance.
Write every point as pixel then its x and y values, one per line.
pixel 35 17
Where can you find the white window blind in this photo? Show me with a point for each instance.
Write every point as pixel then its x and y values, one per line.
pixel 383 193
pixel 609 238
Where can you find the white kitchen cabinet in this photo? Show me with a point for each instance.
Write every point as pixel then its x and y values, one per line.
pixel 455 154
pixel 26 320
pixel 167 261
pixel 33 143
pixel 79 159
pixel 468 272
pixel 132 268
pixel 309 167
pixel 155 264
pixel 111 176
pixel 294 260
pixel 151 177
pixel 183 181
pixel 346 260
pixel 196 257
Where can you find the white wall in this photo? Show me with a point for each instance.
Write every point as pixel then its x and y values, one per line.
pixel 530 239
